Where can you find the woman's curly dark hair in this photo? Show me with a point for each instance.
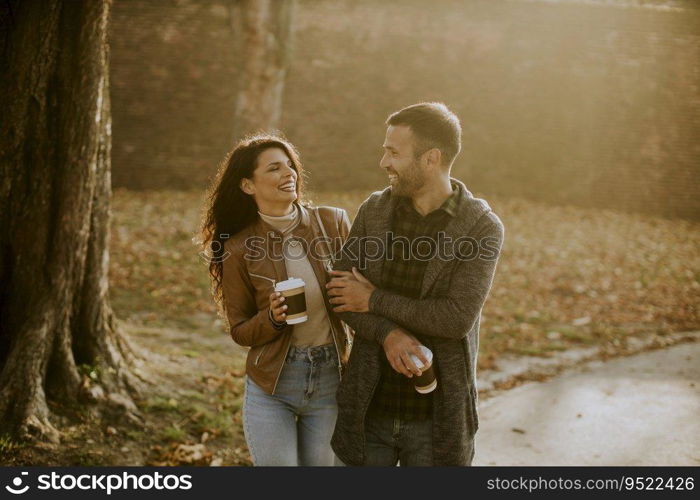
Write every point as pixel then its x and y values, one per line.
pixel 229 210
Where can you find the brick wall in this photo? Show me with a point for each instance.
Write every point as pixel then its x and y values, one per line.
pixel 560 102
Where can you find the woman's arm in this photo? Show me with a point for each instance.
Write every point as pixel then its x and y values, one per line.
pixel 249 326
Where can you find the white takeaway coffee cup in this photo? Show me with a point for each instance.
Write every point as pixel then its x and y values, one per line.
pixel 295 299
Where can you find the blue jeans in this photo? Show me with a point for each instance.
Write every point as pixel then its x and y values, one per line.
pixel 390 440
pixel 294 426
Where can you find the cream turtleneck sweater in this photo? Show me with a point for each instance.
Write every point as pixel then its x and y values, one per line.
pixel 317 329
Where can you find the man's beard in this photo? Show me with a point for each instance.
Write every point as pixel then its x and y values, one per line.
pixel 410 181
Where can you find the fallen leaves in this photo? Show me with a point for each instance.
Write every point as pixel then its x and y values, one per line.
pixel 181 454
pixel 593 270
pixel 155 267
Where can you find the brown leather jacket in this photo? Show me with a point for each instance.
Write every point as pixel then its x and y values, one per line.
pixel 247 285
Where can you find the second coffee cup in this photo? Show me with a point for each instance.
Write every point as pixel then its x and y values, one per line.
pixel 426 382
pixel 295 299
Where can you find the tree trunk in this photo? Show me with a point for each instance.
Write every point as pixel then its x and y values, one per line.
pixel 56 324
pixel 263 31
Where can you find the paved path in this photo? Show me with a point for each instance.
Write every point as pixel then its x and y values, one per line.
pixel 636 410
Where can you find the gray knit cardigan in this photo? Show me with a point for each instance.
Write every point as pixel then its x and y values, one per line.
pixel 447 313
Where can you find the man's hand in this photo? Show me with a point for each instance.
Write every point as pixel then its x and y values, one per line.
pixel 398 346
pixel 350 292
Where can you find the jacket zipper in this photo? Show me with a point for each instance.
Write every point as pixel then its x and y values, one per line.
pixel 263 277
pixel 257 359
pixel 333 332
pixel 328 266
pixel 274 387
pixel 335 343
pixel 260 354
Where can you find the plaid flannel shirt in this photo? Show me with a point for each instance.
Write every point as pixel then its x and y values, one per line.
pixel 402 273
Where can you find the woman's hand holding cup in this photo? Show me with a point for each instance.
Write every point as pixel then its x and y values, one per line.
pixel 277 307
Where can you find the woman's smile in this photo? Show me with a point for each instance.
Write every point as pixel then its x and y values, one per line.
pixel 289 186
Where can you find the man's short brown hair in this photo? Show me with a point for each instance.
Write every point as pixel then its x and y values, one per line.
pixel 434 126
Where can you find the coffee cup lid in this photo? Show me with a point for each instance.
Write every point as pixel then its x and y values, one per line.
pixel 426 352
pixel 289 284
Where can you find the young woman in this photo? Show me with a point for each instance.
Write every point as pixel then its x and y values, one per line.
pixel 261 232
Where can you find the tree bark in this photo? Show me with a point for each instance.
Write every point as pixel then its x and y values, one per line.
pixel 263 31
pixel 55 139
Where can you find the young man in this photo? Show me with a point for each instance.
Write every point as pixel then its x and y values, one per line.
pixel 416 270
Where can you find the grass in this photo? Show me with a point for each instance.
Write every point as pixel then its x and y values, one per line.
pixel 173 433
pixel 162 405
pixel 87 459
pixel 7 445
pixel 93 372
pixel 211 408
